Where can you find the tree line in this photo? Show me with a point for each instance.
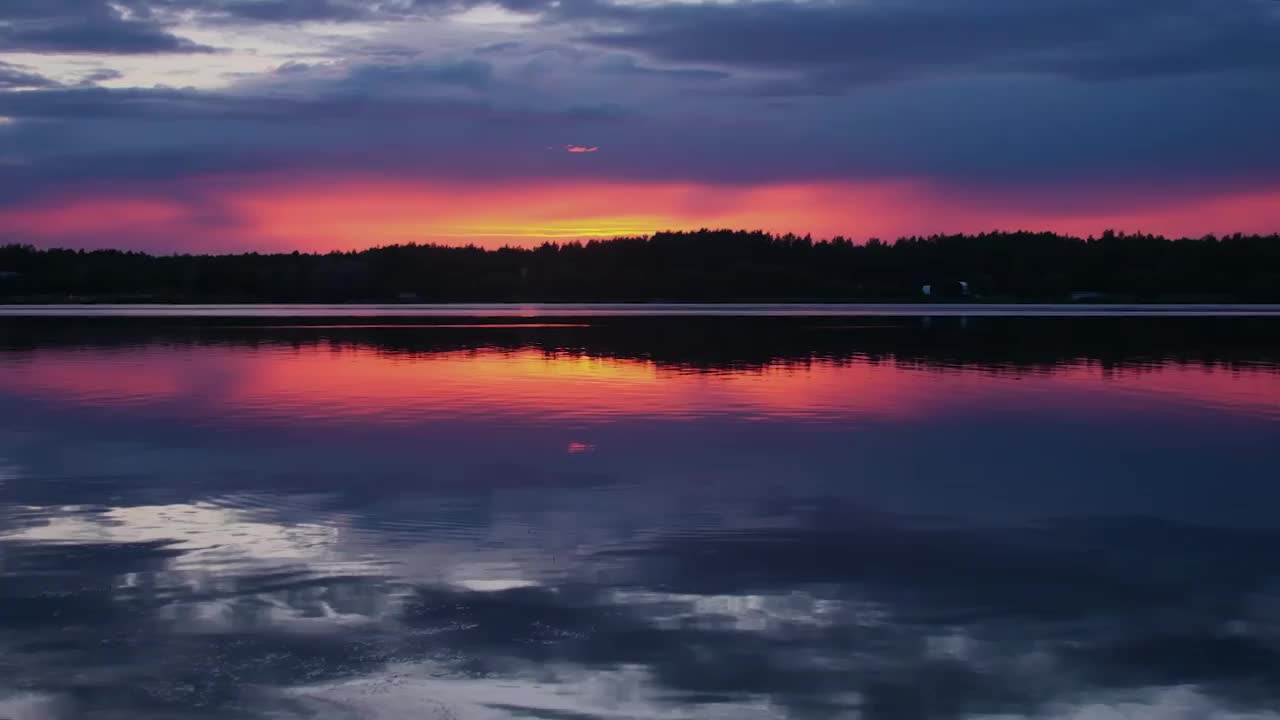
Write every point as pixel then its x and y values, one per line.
pixel 702 265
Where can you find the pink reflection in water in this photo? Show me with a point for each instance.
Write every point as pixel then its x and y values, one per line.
pixel 326 383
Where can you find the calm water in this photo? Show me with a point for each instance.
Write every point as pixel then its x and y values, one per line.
pixel 618 517
pixel 533 310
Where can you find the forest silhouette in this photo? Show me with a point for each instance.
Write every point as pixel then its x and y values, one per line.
pixel 699 266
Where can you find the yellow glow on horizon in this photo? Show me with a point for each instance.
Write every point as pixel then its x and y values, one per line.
pixel 271 213
pixel 571 229
pixel 354 212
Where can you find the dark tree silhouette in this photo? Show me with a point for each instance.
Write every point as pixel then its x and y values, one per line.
pixel 705 265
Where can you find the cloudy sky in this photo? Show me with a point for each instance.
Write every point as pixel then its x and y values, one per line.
pixel 194 125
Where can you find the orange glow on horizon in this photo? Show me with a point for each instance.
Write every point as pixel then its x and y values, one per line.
pixel 270 213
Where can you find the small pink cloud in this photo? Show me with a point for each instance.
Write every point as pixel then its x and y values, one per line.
pixel 581 148
pixel 580 447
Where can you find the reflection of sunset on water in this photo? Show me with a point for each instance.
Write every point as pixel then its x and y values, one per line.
pixel 323 383
pixel 325 512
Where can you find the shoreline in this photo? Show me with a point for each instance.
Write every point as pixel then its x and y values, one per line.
pixel 639 309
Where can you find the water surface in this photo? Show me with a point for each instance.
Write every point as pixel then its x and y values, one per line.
pixel 656 309
pixel 597 516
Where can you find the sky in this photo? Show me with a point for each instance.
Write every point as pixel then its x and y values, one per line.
pixel 236 125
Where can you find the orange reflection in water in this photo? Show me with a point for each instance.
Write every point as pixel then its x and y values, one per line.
pixel 328 383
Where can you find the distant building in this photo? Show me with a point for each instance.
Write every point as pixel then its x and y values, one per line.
pixel 955 288
pixel 8 275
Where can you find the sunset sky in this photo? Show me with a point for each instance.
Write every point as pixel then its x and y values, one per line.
pixel 228 125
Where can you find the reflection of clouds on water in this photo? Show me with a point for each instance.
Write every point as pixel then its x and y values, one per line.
pixel 28 706
pixel 630 694
pixel 208 536
pixel 920 623
pixel 1161 703
pixel 755 613
pixel 8 471
pixel 723 598
pixel 555 693
pixel 1046 558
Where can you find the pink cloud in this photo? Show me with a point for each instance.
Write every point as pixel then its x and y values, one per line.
pixel 581 148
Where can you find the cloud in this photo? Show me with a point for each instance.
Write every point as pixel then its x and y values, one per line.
pixel 252 12
pixel 1023 136
pixel 830 43
pixel 91 26
pixel 86 104
pixel 627 65
pixel 580 148
pixel 100 75
pixel 407 77
pixel 96 137
pixel 844 44
pixel 292 68
pixel 1040 98
pixel 499 47
pixel 14 77
pixel 290 10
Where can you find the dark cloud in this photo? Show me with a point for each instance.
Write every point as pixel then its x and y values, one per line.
pixel 97 137
pixel 292 68
pixel 16 76
pixel 843 44
pixel 100 103
pixel 289 11
pixel 101 75
pixel 86 26
pixel 829 44
pixel 994 93
pixel 368 79
pixel 292 10
pixel 627 65
pixel 1057 136
pixel 144 21
pixel 499 47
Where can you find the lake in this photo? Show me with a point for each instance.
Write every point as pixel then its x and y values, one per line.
pixel 591 512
